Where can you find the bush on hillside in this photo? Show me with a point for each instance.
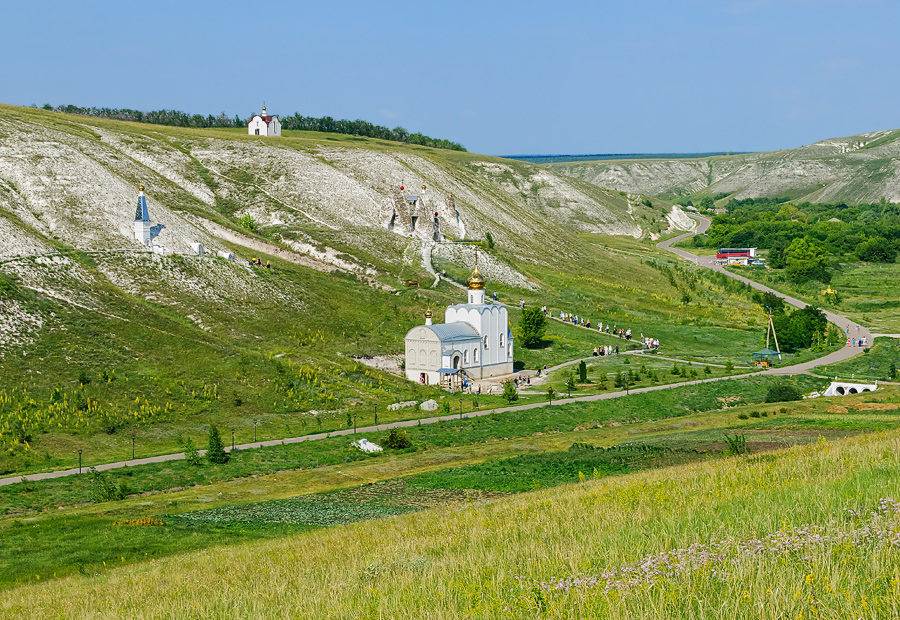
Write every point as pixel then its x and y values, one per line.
pixel 782 392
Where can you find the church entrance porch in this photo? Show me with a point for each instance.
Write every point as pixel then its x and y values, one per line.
pixel 451 378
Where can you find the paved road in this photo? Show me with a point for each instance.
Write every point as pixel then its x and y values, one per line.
pixel 843 323
pixel 844 353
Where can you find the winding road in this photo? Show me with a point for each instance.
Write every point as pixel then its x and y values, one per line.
pixel 843 323
pixel 703 223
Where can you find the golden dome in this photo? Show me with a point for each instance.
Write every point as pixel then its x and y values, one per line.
pixel 428 314
pixel 141 188
pixel 476 280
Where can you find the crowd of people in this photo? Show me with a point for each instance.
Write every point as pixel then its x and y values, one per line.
pixel 861 341
pixel 613 330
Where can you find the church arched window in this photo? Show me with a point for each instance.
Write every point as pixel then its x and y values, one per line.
pixel 466 356
pixel 475 356
pixel 412 357
pixel 501 339
pixel 485 342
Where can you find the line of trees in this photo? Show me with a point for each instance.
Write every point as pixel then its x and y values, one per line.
pixel 177 118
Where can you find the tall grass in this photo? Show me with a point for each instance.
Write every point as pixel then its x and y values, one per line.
pixel 506 558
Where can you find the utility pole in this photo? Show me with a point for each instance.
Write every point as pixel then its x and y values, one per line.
pixel 132 446
pixel 79 461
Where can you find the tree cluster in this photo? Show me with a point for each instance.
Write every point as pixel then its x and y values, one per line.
pixel 808 238
pixel 798 330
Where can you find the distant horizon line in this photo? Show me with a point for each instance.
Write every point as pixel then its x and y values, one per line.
pixel 597 156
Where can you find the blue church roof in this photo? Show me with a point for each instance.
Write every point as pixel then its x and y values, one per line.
pixel 454 331
pixel 141 214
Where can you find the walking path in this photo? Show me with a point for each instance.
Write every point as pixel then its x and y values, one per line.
pixel 843 354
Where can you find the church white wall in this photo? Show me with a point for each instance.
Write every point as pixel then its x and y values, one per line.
pixel 275 127
pixel 142 232
pixel 255 124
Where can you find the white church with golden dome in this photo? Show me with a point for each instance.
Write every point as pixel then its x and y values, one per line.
pixel 474 342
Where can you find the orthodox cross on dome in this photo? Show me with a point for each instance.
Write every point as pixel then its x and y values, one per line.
pixel 140 213
pixel 476 280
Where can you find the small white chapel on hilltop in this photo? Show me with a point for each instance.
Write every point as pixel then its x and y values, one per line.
pixel 474 341
pixel 264 125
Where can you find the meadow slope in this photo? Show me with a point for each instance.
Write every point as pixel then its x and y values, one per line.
pixel 807 532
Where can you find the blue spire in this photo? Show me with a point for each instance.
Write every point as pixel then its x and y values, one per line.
pixel 141 214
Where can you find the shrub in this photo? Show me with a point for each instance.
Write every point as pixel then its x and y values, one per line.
pixel 754 414
pixel 215 451
pixel 736 445
pixel 191 455
pixel 397 439
pixel 248 222
pixel 782 392
pixel 742 416
pixel 582 372
pixel 707 370
pixel 510 395
pixel 103 489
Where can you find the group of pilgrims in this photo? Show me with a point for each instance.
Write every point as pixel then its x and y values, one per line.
pixel 613 330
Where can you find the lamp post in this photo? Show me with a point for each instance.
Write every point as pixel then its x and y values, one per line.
pixel 354 423
pixel 255 421
pixel 79 461
pixel 376 416
pixel 232 440
pixel 132 446
pixel 460 409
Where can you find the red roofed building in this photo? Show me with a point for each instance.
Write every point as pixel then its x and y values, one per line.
pixel 264 125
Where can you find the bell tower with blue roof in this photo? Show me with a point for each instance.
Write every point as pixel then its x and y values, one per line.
pixel 142 219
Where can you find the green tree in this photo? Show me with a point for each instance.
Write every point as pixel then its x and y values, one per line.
pixel 215 451
pixel 877 250
pixel 533 325
pixel 582 372
pixel 510 394
pixel 806 260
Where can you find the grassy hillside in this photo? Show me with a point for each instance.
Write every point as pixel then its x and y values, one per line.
pixel 103 340
pixel 854 169
pixel 809 532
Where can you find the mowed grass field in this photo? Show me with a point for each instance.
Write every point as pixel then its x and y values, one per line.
pixel 805 532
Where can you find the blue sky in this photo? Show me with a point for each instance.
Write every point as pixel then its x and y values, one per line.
pixel 500 77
